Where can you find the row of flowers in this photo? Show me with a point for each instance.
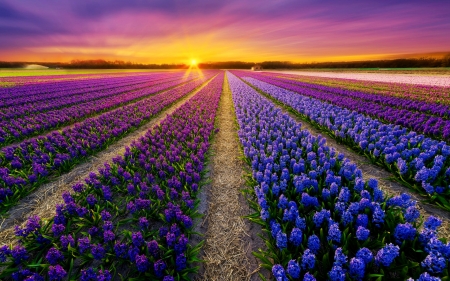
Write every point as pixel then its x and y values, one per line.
pixel 30 83
pixel 322 219
pixel 421 163
pixel 434 126
pixel 35 123
pixel 99 88
pixel 28 94
pixel 392 101
pixel 432 93
pixel 43 87
pixel 26 166
pixel 40 95
pixel 133 219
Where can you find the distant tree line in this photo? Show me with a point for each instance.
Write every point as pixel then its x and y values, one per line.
pixel 7 64
pixel 395 63
pixel 104 64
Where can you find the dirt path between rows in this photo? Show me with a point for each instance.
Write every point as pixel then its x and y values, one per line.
pixel 229 238
pixel 370 170
pixel 43 200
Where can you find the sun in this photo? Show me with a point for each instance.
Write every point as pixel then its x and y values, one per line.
pixel 193 62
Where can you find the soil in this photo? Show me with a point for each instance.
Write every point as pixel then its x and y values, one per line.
pixel 230 239
pixel 42 201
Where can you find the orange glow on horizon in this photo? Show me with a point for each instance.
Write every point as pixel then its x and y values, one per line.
pixel 193 67
pixel 155 32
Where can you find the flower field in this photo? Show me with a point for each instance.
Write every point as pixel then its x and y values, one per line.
pixel 143 214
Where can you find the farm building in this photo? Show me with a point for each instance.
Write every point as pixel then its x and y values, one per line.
pixel 256 67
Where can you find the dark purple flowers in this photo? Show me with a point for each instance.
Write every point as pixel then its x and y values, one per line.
pixel 54 256
pixel 142 263
pixel 56 273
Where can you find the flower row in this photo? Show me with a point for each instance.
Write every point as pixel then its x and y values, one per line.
pixel 421 163
pixel 132 219
pixel 96 92
pixel 434 126
pixel 28 94
pixel 430 94
pixel 24 127
pixel 391 101
pixel 33 82
pixel 32 162
pixel 323 220
pixel 54 85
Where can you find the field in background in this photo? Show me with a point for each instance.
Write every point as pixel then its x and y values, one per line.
pixel 411 70
pixel 14 72
pixel 417 77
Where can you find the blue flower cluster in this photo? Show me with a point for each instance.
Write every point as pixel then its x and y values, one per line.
pixel 421 161
pixel 304 187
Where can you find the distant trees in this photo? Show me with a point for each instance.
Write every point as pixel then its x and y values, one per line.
pixel 7 64
pixel 103 64
pixel 396 63
pixel 446 61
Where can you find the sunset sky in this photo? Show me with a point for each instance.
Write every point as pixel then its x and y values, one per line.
pixel 165 31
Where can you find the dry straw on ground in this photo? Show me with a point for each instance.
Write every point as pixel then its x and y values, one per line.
pixel 230 238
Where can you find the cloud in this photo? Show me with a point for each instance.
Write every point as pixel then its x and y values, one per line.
pixel 161 31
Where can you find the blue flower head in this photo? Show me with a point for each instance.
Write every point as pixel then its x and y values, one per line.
pixel 300 223
pixel 378 216
pixel 362 233
pixel 362 220
pixel 296 237
pixel 434 263
pixel 337 273
pixel 308 259
pixel 275 228
pixel 281 240
pixel 411 214
pixel 339 257
pixel 309 277
pixel 293 269
pixel 334 233
pixel 427 277
pixel 314 243
pixel 279 273
pixel 432 223
pixel 309 201
pixel 386 255
pixel 357 269
pixel 365 255
pixel 404 232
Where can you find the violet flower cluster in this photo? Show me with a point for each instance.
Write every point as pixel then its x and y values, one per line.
pixel 30 120
pixel 303 187
pixel 31 162
pixel 134 216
